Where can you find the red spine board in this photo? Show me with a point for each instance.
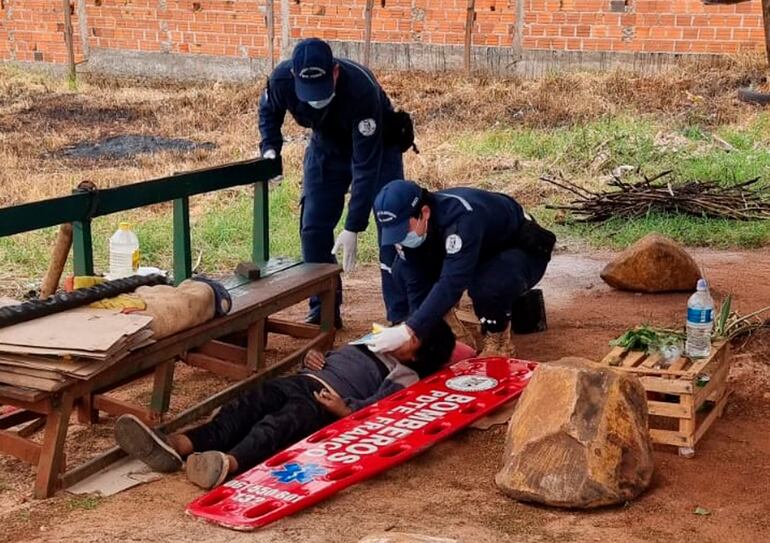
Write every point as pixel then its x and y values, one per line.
pixel 364 443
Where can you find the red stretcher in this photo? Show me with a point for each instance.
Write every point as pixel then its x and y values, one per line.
pixel 364 443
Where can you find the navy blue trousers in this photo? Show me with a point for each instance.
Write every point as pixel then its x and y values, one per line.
pixel 327 179
pixel 497 283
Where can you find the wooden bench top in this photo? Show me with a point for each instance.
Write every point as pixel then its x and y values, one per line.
pixel 248 298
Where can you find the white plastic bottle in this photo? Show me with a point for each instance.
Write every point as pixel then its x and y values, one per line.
pixel 124 252
pixel 700 322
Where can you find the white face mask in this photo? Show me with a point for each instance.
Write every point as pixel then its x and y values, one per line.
pixel 320 104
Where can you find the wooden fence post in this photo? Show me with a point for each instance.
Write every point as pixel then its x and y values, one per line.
pixel 470 17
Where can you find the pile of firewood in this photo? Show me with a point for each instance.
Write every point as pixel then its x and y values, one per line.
pixel 743 201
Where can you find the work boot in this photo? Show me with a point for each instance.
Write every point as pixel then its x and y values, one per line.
pixel 314 317
pixel 461 333
pixel 149 446
pixel 498 343
pixel 208 469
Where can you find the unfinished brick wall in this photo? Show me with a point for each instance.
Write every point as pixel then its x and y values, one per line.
pixel 32 30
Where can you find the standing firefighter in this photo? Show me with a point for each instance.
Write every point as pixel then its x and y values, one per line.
pixel 356 143
pixel 453 240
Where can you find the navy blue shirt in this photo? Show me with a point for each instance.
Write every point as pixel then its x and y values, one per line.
pixel 466 227
pixel 352 125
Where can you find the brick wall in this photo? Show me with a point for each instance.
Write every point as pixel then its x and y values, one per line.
pixel 32 30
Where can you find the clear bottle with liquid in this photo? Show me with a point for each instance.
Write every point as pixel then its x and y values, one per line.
pixel 700 322
pixel 124 252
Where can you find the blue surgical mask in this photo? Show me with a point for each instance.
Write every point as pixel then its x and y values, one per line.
pixel 413 240
pixel 320 104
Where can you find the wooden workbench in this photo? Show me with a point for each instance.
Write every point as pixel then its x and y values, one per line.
pixel 253 304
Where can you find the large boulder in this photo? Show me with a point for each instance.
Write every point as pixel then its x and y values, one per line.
pixel 653 264
pixel 578 437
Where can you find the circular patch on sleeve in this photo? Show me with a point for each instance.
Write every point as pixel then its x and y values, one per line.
pixel 453 244
pixel 367 127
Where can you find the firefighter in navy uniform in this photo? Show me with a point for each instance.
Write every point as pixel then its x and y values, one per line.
pixel 455 240
pixel 356 144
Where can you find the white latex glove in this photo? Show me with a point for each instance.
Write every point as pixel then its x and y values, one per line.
pixel 389 339
pixel 349 242
pixel 272 155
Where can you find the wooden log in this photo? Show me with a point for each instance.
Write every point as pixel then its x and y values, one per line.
pixel 61 251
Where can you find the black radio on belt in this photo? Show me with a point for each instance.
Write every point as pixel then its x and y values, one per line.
pixel 399 130
pixel 535 239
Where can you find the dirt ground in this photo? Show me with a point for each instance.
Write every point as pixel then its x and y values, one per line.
pixel 449 490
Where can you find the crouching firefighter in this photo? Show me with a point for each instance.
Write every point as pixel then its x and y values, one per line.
pixel 455 240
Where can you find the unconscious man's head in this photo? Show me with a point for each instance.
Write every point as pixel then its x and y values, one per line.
pixel 434 351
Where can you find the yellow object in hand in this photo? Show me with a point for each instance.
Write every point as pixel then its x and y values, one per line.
pixel 377 328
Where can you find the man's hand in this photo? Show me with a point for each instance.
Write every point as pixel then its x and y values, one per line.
pixel 332 402
pixel 314 360
pixel 349 242
pixel 272 155
pixel 390 339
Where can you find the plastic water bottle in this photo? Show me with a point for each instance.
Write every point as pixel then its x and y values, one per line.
pixel 700 322
pixel 124 252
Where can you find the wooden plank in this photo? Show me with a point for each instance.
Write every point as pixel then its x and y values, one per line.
pixel 163 381
pixel 652 360
pixel 224 351
pixel 52 454
pixel 666 386
pixel 217 366
pixel 706 423
pixel 653 372
pixel 717 383
pixel 115 407
pixel 687 423
pixel 679 364
pixel 17 417
pixel 293 329
pixel 26 398
pixel 255 346
pixel 327 298
pixel 32 427
pixel 667 409
pixel 667 437
pixel 614 357
pixel 30 381
pixel 87 414
pixel 633 358
pixel 19 447
pixel 715 357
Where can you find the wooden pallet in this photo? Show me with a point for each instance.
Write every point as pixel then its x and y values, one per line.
pixel 681 406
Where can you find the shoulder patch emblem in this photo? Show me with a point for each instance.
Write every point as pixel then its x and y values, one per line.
pixel 453 244
pixel 367 127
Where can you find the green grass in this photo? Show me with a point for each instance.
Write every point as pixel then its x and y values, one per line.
pixel 687 151
pixel 221 223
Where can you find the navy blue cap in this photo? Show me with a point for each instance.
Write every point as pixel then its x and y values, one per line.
pixel 394 205
pixel 313 68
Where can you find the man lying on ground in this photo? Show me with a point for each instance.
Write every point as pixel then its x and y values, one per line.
pixel 279 412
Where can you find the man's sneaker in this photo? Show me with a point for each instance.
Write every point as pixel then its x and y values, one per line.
pixel 315 318
pixel 149 446
pixel 208 469
pixel 498 344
